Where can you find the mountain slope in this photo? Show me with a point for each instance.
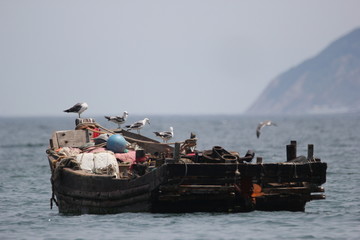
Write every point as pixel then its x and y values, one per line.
pixel 329 82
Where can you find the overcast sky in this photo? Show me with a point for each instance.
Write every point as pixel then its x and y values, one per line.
pixel 157 57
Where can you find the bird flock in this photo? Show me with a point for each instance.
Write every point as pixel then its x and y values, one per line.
pixel 79 108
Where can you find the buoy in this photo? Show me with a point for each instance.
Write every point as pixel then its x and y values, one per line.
pixel 116 143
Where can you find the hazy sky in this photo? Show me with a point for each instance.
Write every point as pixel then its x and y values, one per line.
pixel 156 57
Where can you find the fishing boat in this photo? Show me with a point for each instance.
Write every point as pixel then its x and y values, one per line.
pixel 151 176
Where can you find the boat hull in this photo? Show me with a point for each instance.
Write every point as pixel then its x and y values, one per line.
pixel 181 187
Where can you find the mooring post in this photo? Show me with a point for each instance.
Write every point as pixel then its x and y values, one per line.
pixel 177 152
pixel 259 160
pixel 291 151
pixel 310 152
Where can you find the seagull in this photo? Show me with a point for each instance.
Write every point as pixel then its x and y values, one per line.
pixel 117 119
pixel 138 125
pixel 165 135
pixel 263 124
pixel 77 108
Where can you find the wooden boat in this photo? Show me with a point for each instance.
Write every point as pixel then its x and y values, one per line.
pixel 180 179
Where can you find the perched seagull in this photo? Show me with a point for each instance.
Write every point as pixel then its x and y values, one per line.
pixel 117 119
pixel 138 125
pixel 165 135
pixel 77 108
pixel 263 124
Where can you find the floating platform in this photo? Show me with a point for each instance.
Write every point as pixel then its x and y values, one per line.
pixel 179 178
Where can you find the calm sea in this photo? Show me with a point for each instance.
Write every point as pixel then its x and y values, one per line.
pixel 25 186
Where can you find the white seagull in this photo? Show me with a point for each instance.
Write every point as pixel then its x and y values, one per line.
pixel 263 124
pixel 117 119
pixel 165 135
pixel 138 125
pixel 77 108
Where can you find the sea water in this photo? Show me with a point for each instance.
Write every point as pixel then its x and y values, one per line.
pixel 25 188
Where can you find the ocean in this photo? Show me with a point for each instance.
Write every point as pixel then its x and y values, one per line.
pixel 25 188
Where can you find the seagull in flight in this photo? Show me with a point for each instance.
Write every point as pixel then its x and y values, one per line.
pixel 138 125
pixel 118 119
pixel 167 135
pixel 77 108
pixel 263 124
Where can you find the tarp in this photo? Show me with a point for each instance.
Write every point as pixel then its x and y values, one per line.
pixel 99 162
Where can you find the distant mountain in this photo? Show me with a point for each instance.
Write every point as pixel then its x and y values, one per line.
pixel 327 83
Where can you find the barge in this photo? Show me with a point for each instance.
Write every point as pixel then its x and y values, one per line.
pixel 151 176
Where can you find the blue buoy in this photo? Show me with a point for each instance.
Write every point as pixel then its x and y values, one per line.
pixel 116 143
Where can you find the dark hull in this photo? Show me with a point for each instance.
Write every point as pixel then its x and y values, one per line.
pixel 181 187
pixel 80 193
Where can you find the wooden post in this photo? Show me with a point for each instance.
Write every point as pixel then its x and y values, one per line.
pixel 291 151
pixel 310 151
pixel 177 152
pixel 259 160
